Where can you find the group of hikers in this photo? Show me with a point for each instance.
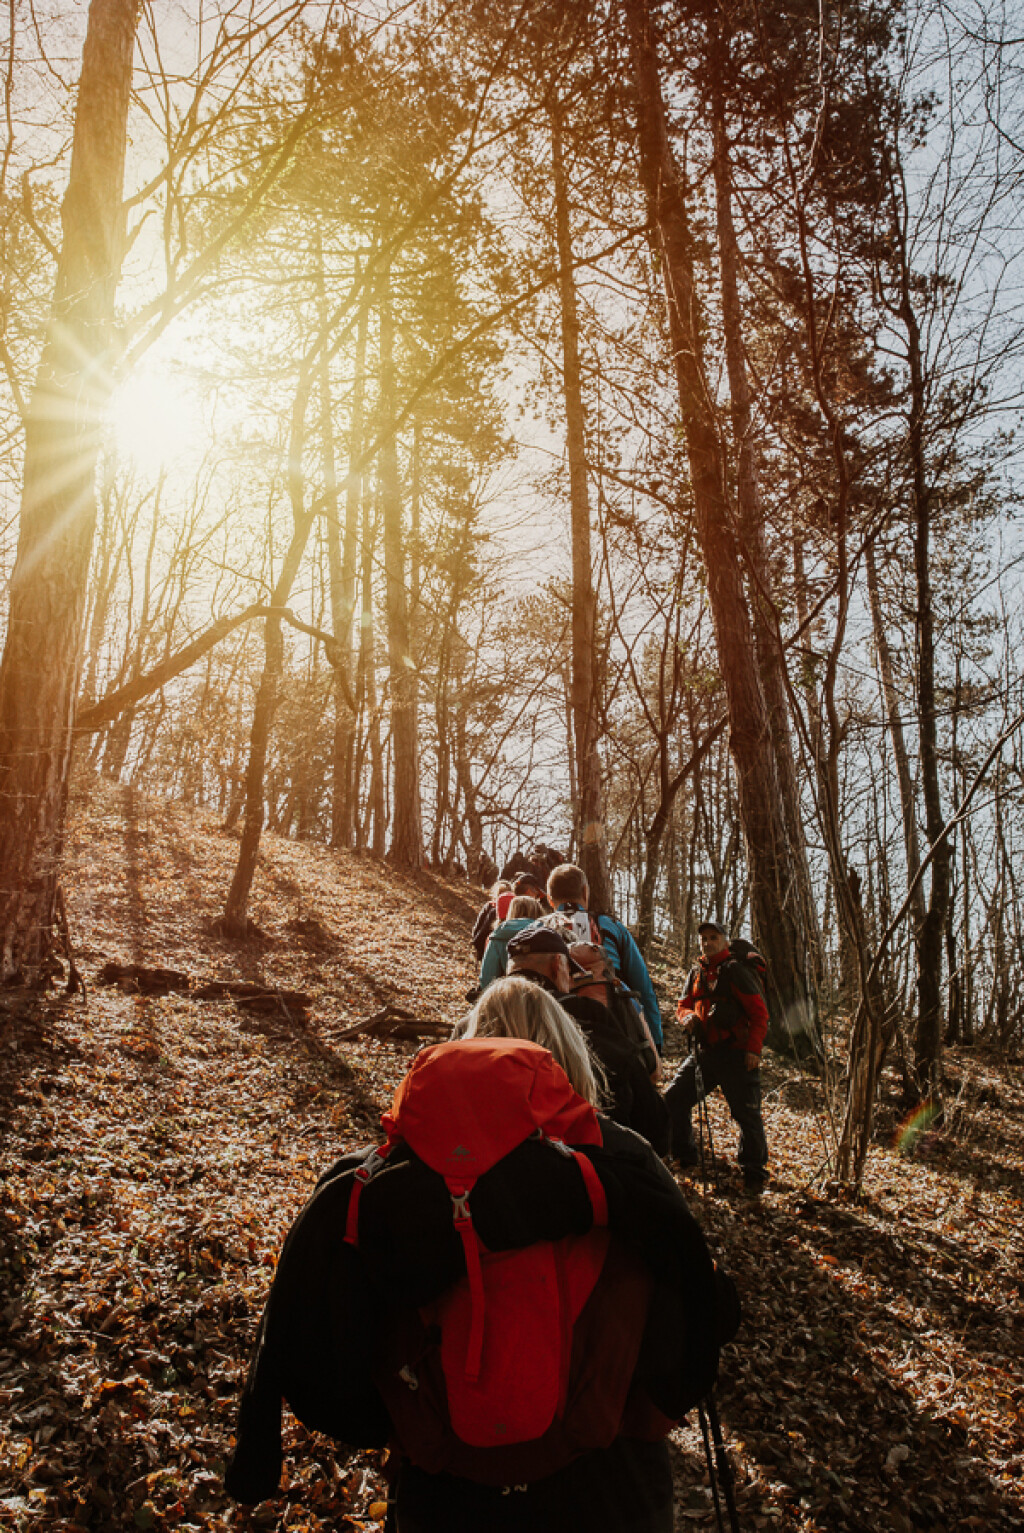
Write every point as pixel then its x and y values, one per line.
pixel 545 933
pixel 510 1292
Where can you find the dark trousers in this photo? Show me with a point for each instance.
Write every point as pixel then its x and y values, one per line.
pixel 725 1067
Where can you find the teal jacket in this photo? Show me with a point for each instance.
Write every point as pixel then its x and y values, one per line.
pixel 495 963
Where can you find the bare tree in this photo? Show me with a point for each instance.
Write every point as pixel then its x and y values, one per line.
pixel 39 672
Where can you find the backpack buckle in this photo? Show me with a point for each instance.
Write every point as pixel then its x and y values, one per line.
pixel 460 1208
pixel 371 1165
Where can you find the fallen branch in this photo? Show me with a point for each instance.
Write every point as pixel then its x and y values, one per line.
pixel 395 1022
pixel 264 999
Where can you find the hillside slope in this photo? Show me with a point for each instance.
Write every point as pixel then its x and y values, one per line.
pixel 155 1148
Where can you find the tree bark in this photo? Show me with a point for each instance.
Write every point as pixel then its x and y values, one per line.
pixel 590 833
pixel 778 916
pixel 342 554
pixel 39 673
pixel 930 1011
pixel 764 615
pixel 406 848
pixel 372 826
pixel 908 805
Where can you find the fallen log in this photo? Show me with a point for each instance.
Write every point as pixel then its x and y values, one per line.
pixel 295 1005
pixel 394 1021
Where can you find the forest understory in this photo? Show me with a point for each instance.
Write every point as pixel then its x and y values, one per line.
pixel 156 1147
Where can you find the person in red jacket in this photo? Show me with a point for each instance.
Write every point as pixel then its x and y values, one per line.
pixel 723 1009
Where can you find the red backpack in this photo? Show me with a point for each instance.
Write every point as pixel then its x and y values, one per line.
pixel 527 1361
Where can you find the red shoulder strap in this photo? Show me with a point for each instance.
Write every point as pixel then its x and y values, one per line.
pixel 595 1188
pixel 462 1218
pixel 371 1165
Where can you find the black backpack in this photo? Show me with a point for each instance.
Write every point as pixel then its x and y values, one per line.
pixel 605 986
pixel 747 954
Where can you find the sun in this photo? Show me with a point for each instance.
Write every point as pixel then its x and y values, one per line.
pixel 155 420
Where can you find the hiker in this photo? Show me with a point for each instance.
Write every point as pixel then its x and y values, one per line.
pixel 542 956
pixel 529 886
pixel 723 1009
pixel 409 1304
pixel 569 898
pixel 522 912
pixel 487 915
pixel 537 863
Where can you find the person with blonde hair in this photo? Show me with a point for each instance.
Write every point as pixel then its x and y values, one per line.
pixel 522 912
pixel 516 1008
pixel 502 1214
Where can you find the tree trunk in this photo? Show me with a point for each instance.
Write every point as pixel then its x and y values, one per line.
pixel 764 614
pixel 342 560
pixel 235 921
pixel 39 673
pixel 236 911
pixel 778 917
pixel 930 936
pixel 590 833
pixel 899 745
pixel 372 825
pixel 406 823
pixel 464 779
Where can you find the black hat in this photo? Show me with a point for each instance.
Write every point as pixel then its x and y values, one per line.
pixel 542 939
pixel 712 926
pixel 525 882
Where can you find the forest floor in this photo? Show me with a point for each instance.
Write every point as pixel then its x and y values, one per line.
pixel 154 1150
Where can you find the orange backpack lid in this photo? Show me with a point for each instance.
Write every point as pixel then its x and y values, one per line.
pixel 464 1105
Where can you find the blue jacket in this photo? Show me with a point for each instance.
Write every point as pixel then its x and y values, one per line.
pixel 630 968
pixel 628 963
pixel 495 963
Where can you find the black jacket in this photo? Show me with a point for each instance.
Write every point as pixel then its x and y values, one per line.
pixel 317 1338
pixel 482 928
pixel 635 1102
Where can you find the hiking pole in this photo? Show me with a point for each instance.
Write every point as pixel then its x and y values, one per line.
pixel 704 1123
pixel 709 1456
pixel 725 1473
pixel 718 1459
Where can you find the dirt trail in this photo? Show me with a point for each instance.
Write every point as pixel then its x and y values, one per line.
pixel 154 1151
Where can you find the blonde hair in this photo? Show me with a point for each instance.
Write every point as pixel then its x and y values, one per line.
pixel 503 886
pixel 517 1008
pixel 523 906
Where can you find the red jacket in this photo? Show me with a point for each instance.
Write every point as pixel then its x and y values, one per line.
pixel 726 1000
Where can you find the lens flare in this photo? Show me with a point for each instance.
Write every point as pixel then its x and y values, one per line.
pixel 911 1129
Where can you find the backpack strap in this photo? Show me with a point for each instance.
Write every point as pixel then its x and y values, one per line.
pixel 595 1188
pixel 611 928
pixel 371 1165
pixel 591 1181
pixel 462 1218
